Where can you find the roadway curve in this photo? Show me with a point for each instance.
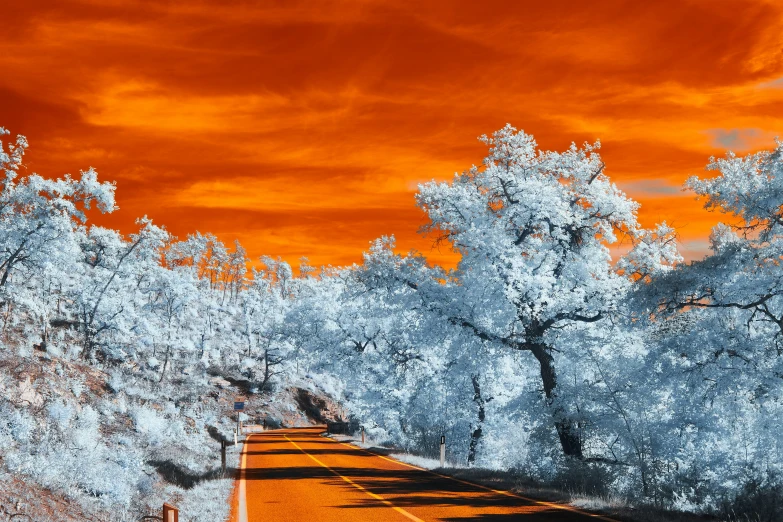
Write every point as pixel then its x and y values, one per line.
pixel 297 475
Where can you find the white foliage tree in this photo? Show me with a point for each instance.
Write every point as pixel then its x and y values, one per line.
pixel 716 327
pixel 533 230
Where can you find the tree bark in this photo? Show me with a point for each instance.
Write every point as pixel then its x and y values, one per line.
pixel 566 428
pixel 165 363
pixel 475 437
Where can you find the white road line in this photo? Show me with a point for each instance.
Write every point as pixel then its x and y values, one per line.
pixel 242 510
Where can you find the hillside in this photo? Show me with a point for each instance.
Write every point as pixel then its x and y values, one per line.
pixel 80 443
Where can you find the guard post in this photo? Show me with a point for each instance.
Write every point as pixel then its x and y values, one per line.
pixel 443 451
pixel 170 513
pixel 362 434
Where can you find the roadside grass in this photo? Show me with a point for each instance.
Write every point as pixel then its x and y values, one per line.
pixel 559 491
pixel 615 507
pixel 422 462
pixel 593 503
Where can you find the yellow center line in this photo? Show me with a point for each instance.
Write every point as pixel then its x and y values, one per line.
pixel 357 486
pixel 498 491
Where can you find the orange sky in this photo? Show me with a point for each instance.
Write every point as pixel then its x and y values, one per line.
pixel 303 128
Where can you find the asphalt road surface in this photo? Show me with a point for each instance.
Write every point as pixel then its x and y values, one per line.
pixel 297 475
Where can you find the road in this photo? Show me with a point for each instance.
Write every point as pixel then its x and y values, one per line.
pixel 297 475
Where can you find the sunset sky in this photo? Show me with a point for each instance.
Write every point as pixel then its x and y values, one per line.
pixel 303 129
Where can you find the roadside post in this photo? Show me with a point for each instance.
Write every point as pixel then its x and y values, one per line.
pixel 170 513
pixel 264 426
pixel 443 451
pixel 362 434
pixel 239 406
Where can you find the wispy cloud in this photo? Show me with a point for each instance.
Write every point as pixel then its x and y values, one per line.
pixel 741 140
pixel 773 84
pixel 652 188
pixel 305 118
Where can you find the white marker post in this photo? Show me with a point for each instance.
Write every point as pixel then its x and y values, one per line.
pixel 443 451
pixel 362 434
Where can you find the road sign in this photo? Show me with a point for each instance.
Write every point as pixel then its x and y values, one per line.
pixel 239 403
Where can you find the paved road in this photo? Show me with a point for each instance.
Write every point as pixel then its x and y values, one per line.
pixel 297 475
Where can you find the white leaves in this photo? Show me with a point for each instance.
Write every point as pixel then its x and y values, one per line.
pixel 536 226
pixel 749 186
pixel 723 238
pixel 38 218
pixel 89 190
pixel 11 155
pixel 654 253
pixel 61 413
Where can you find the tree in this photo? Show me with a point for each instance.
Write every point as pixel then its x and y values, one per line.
pixel 715 328
pixel 112 272
pixel 38 215
pixel 171 298
pixel 533 230
pixel 261 315
pixel 744 270
pixel 222 270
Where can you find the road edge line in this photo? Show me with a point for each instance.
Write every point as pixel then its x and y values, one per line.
pixel 242 508
pixel 408 515
pixel 487 488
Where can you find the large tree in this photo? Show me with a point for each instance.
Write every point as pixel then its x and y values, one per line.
pixel 533 229
pixel 716 332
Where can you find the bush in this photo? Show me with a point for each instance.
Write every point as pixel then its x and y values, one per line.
pixel 584 478
pixel 760 500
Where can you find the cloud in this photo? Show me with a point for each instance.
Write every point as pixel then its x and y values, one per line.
pixel 694 249
pixel 147 106
pixel 741 139
pixel 652 188
pixel 304 128
pixel 773 84
pixel 278 194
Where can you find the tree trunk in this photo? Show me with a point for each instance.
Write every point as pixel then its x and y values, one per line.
pixel 475 437
pixel 86 325
pixel 165 363
pixel 7 315
pixel 267 372
pixel 566 427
